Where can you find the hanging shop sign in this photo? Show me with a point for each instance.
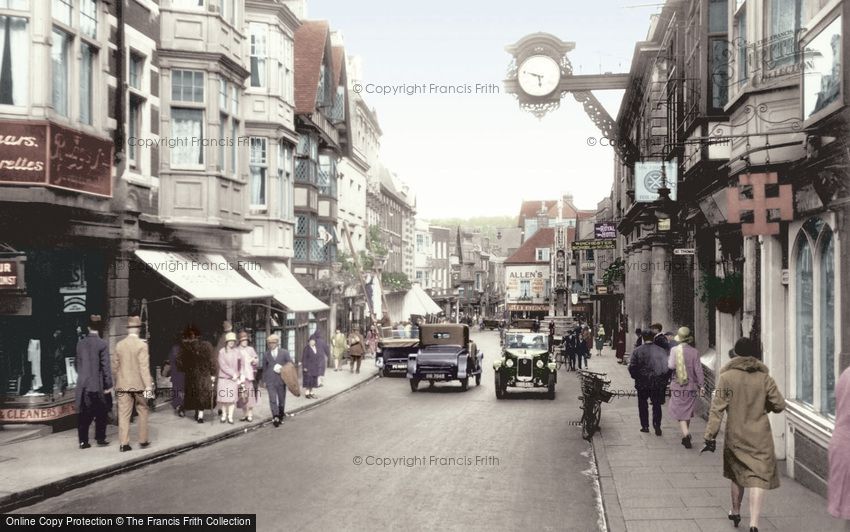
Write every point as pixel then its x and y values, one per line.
pixel 12 273
pixel 758 205
pixel 684 251
pixel 51 155
pixel 605 231
pixel 587 266
pixel 649 177
pixel 584 245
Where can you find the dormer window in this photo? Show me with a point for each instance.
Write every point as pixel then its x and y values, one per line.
pixel 542 254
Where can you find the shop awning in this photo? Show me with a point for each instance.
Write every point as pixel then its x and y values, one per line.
pixel 276 278
pixel 414 302
pixel 204 276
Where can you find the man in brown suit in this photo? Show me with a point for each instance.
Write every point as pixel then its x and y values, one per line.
pixel 133 383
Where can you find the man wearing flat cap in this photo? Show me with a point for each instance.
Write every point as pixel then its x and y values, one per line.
pixel 133 382
pixel 272 362
pixel 94 383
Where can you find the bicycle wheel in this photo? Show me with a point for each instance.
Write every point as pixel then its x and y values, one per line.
pixel 588 421
pixel 597 415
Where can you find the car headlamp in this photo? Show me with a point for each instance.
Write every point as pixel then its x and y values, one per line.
pixel 539 364
pixel 509 363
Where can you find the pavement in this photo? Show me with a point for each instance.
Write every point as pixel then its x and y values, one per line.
pixel 652 483
pixel 36 467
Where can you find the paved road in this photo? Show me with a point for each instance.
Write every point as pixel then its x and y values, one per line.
pixel 531 470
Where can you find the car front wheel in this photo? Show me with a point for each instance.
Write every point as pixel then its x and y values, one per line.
pixel 414 384
pixel 551 393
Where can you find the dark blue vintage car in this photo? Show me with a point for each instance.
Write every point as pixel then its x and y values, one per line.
pixel 445 354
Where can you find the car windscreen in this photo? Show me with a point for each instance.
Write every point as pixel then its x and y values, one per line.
pixel 525 341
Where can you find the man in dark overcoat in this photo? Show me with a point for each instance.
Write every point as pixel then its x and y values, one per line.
pixel 94 382
pixel 271 363
pixel 648 367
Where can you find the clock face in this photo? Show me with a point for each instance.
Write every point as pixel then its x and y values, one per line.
pixel 539 75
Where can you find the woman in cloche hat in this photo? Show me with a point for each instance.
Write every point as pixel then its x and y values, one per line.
pixel 229 377
pixel 686 383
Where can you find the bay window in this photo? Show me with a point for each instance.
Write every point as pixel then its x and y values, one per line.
pixel 59 59
pixel 741 60
pixel 74 35
pixel 284 173
pixel 784 18
pixel 87 62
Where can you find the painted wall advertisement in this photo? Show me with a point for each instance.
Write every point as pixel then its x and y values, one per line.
pixel 51 155
pixel 526 283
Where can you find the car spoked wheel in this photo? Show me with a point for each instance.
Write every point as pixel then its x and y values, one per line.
pixel 414 384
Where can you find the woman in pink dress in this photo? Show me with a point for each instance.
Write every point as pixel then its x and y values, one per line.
pixel 839 452
pixel 229 377
pixel 687 382
pixel 248 399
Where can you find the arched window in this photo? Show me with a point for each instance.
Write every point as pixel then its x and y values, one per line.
pixel 814 313
pixel 805 320
pixel 827 321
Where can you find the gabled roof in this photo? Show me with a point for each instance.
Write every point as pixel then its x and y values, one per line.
pixel 527 253
pixel 312 44
pixel 529 209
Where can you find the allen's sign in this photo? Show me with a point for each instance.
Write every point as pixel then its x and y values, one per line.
pixel 46 154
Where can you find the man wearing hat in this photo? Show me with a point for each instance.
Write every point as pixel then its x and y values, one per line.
pixel 272 362
pixel 94 383
pixel 133 382
pixel 648 367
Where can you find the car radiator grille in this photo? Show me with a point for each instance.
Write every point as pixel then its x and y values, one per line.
pixel 524 367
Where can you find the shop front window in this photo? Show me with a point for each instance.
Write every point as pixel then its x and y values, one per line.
pixel 827 323
pixel 805 321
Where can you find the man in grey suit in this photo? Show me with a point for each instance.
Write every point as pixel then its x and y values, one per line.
pixel 94 383
pixel 273 360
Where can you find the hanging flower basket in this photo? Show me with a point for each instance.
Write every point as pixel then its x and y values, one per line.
pixel 726 294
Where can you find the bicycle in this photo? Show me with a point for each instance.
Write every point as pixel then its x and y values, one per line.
pixel 593 393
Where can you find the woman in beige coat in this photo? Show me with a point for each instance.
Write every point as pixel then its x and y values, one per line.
pixel 746 393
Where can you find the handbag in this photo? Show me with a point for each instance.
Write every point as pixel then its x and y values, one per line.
pixel 243 392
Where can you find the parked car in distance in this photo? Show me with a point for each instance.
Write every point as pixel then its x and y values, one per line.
pixel 445 354
pixel 525 363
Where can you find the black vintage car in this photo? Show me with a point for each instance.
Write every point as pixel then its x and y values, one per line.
pixel 525 363
pixel 445 354
pixel 393 353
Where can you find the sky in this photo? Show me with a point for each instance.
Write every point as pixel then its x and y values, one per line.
pixel 468 155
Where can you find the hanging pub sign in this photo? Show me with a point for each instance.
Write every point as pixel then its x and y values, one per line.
pixel 584 245
pixel 605 231
pixel 649 177
pixel 47 154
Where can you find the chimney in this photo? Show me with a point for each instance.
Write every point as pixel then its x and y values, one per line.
pixel 542 216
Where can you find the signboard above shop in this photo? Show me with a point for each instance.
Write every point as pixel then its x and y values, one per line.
pixel 46 154
pixel 12 272
pixel 583 245
pixel 605 230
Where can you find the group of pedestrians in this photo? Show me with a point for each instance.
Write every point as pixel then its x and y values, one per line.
pixel 126 372
pixel 744 392
pixel 577 345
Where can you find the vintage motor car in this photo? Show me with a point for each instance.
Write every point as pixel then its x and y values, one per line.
pixel 445 354
pixel 393 353
pixel 525 363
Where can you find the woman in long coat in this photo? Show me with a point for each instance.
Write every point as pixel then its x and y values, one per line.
pixel 195 360
pixel 746 393
pixel 686 383
pixel 311 367
pixel 229 377
pixel 250 360
pixel 839 452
